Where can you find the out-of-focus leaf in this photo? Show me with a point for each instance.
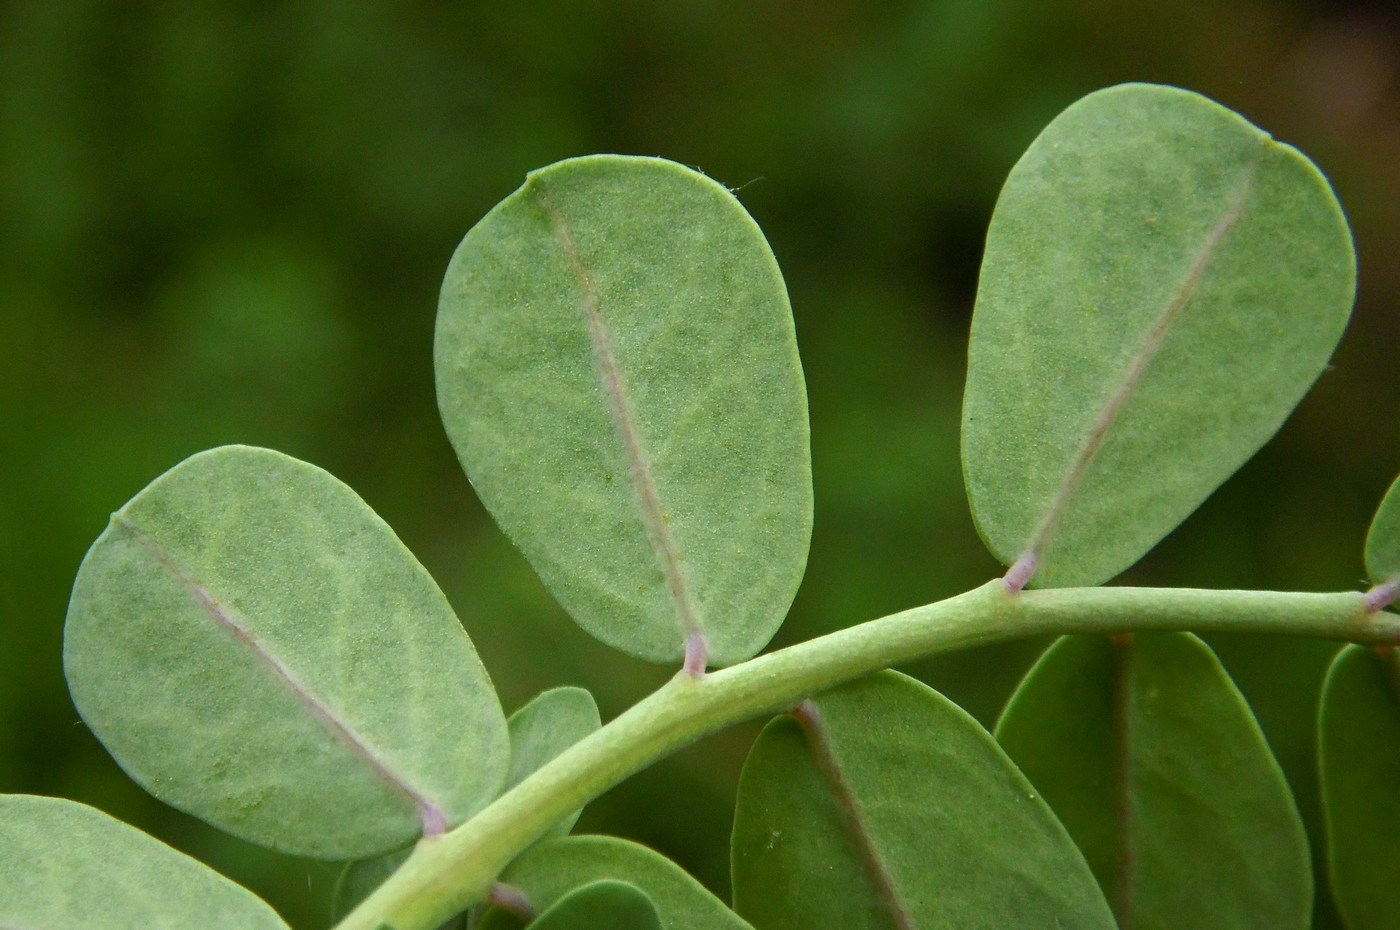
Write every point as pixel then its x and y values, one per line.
pixel 1153 760
pixel 546 873
pixel 605 905
pixel 66 866
pixel 255 646
pixel 1161 284
pixel 1359 752
pixel 1383 539
pixel 883 805
pixel 617 370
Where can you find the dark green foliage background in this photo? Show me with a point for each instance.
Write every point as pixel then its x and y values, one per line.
pixel 227 222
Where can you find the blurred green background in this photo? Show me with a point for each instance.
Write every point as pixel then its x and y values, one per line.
pixel 227 222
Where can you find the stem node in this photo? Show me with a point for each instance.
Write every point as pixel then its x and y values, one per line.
pixel 1020 572
pixel 1382 596
pixel 697 655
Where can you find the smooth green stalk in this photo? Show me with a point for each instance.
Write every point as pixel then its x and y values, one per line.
pixel 449 873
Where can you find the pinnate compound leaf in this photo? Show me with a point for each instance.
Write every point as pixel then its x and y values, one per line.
pixel 539 731
pixel 1383 540
pixel 256 647
pixel 605 905
pixel 1155 764
pixel 1162 282
pixel 617 370
pixel 548 872
pixel 1359 751
pixel 67 866
pixel 883 805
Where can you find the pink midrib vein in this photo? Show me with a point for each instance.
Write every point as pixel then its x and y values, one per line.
pixel 1132 376
pixel 432 814
pixel 663 544
pixel 809 720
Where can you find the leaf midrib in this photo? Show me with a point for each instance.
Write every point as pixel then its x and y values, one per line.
pixel 431 813
pixel 659 537
pixel 1132 375
pixel 809 720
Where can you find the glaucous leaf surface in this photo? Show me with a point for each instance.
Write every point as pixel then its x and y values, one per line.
pixel 1359 750
pixel 617 370
pixel 1161 284
pixel 1155 764
pixel 66 866
pixel 551 870
pixel 256 647
pixel 605 905
pixel 1383 540
pixel 539 731
pixel 545 727
pixel 889 807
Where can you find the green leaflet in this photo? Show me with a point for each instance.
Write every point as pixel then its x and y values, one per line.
pixel 605 905
pixel 545 727
pixel 1359 760
pixel 617 370
pixel 1383 539
pixel 255 646
pixel 539 731
pixel 889 807
pixel 1150 756
pixel 551 870
pixel 66 866
pixel 1161 284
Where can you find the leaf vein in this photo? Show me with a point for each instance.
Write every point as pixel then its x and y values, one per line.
pixel 432 814
pixel 824 754
pixel 663 544
pixel 1132 376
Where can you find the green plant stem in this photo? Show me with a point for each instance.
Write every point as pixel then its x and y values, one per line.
pixel 448 873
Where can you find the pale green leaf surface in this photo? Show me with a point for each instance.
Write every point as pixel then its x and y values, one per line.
pixel 1359 751
pixel 545 727
pixel 617 370
pixel 552 722
pixel 254 646
pixel 1153 761
pixel 1383 539
pixel 547 872
pixel 66 866
pixel 897 810
pixel 605 905
pixel 1161 284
